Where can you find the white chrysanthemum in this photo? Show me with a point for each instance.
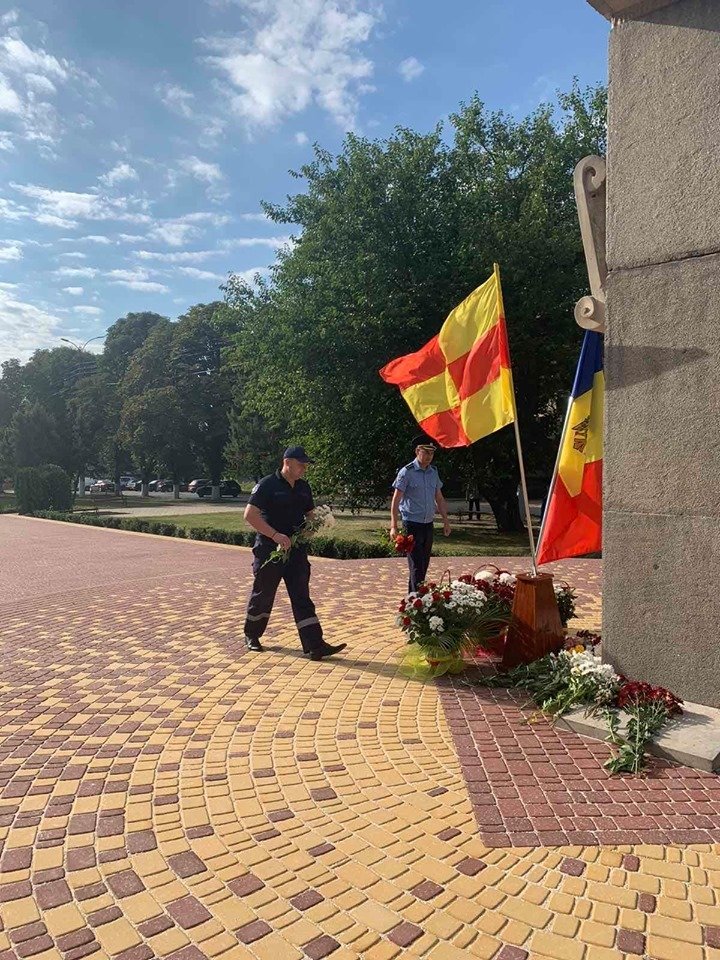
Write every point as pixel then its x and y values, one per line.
pixel 506 578
pixel 437 624
pixel 485 575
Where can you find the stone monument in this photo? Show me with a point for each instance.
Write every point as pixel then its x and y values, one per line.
pixel 657 297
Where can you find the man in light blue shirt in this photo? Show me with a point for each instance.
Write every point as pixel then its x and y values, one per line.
pixel 416 498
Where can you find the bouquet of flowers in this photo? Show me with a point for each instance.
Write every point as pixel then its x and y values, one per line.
pixel 322 519
pixel 403 543
pixel 648 709
pixel 443 620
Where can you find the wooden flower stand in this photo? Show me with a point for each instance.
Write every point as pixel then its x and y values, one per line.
pixel 535 628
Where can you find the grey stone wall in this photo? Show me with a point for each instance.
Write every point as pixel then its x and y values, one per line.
pixel 661 538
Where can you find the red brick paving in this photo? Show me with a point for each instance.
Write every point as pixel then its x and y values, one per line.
pixel 532 783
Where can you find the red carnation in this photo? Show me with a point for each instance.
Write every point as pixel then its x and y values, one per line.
pixel 406 621
pixel 418 604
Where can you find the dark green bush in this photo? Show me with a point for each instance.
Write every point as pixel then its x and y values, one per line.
pixel 46 487
pixel 319 546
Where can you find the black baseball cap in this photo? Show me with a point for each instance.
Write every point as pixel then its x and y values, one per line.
pixel 297 453
pixel 423 441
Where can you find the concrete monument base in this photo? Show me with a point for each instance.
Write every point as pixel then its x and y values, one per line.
pixel 692 740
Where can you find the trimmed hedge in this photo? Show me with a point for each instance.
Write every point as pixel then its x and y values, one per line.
pixel 46 487
pixel 319 547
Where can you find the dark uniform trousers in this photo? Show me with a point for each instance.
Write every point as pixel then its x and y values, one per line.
pixel 419 558
pixel 295 571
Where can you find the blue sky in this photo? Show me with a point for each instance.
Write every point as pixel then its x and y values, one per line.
pixel 138 137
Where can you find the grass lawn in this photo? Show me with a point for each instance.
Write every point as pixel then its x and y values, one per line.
pixel 8 503
pixel 468 538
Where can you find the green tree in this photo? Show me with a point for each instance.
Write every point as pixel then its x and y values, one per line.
pixel 392 236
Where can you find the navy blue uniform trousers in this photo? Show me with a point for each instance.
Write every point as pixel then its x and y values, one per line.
pixel 295 571
pixel 419 558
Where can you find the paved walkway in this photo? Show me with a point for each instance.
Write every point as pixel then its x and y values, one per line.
pixel 165 794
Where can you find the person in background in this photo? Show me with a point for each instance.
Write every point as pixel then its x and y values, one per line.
pixel 473 498
pixel 416 498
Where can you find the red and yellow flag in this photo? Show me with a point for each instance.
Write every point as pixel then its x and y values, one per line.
pixel 459 385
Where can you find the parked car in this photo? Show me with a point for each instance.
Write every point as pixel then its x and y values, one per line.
pixel 128 483
pixel 89 481
pixel 160 486
pixel 194 484
pixel 228 488
pixel 102 486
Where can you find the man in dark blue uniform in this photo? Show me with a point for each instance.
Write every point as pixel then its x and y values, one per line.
pixel 416 498
pixel 277 509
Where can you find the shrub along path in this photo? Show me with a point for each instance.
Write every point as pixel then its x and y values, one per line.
pixel 165 794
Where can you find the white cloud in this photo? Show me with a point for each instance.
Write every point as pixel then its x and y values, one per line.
pixel 41 83
pixel 180 230
pixel 121 171
pixel 69 206
pixel 182 256
pixel 88 311
pixel 142 285
pixel 301 138
pixel 410 69
pixel 87 273
pixel 289 56
pixel 74 291
pixel 74 254
pixel 16 56
pixel 9 18
pixel 6 141
pixel 136 274
pixel 52 220
pixel 201 170
pixel 273 242
pixel 92 238
pixel 176 99
pixel 10 102
pixel 24 327
pixel 11 251
pixel 200 274
pixel 260 217
pixel 249 275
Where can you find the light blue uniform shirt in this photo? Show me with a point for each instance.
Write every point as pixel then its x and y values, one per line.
pixel 418 487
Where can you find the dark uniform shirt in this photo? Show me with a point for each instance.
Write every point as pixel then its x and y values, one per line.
pixel 282 506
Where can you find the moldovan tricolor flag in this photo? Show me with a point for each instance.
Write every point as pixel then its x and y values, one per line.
pixel 573 518
pixel 459 385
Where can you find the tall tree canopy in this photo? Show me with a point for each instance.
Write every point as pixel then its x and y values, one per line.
pixel 392 236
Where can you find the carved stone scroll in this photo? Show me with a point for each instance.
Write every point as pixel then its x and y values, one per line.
pixel 590 192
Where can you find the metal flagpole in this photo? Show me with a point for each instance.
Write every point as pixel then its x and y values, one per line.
pixel 528 518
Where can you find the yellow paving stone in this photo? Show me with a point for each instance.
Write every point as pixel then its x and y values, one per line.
pixel 384 950
pixel 169 941
pixel 659 948
pixel 375 916
pixel 670 927
pixel 549 945
pixel 17 913
pixel 604 953
pixel 274 947
pixel 490 922
pixel 600 934
pixel 141 906
pixel 116 936
pixel 64 919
